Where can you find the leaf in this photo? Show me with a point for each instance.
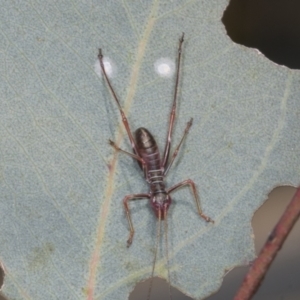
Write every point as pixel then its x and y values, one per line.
pixel 64 230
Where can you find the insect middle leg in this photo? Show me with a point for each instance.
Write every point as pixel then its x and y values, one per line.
pixel 192 185
pixel 187 128
pixel 127 211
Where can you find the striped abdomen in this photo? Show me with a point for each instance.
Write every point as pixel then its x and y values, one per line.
pixel 148 150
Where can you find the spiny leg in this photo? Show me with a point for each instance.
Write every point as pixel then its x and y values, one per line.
pixel 173 110
pixel 187 128
pixel 124 119
pixel 127 211
pixel 192 185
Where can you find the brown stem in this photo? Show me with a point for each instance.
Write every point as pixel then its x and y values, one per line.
pixel 274 242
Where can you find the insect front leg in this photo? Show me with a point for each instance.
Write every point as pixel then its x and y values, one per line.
pixel 127 211
pixel 192 185
pixel 135 156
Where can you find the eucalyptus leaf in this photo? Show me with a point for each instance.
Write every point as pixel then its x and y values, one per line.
pixel 63 228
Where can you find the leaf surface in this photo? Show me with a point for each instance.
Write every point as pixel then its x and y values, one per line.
pixel 63 227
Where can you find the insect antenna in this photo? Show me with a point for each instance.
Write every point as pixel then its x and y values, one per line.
pixel 167 251
pixel 158 230
pixel 173 110
pixel 100 57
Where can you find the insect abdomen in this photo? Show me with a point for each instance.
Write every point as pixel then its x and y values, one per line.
pixel 147 148
pixel 149 152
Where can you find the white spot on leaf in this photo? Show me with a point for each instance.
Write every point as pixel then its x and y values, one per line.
pixel 109 66
pixel 164 67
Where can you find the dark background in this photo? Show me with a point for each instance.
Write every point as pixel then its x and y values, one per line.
pixel 273 27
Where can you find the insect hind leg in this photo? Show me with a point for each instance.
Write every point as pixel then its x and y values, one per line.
pixel 192 186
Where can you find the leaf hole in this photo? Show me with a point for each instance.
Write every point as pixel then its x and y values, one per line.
pixel 282 280
pixel 1 276
pixel 272 27
pixel 2 282
pixel 160 291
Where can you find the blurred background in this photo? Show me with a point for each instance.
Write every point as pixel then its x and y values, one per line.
pixel 273 27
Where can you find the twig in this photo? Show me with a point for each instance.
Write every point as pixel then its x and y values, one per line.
pixel 275 240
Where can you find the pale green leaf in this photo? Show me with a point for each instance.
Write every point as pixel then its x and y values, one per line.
pixel 63 227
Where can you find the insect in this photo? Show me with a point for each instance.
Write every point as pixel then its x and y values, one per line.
pixel 146 153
